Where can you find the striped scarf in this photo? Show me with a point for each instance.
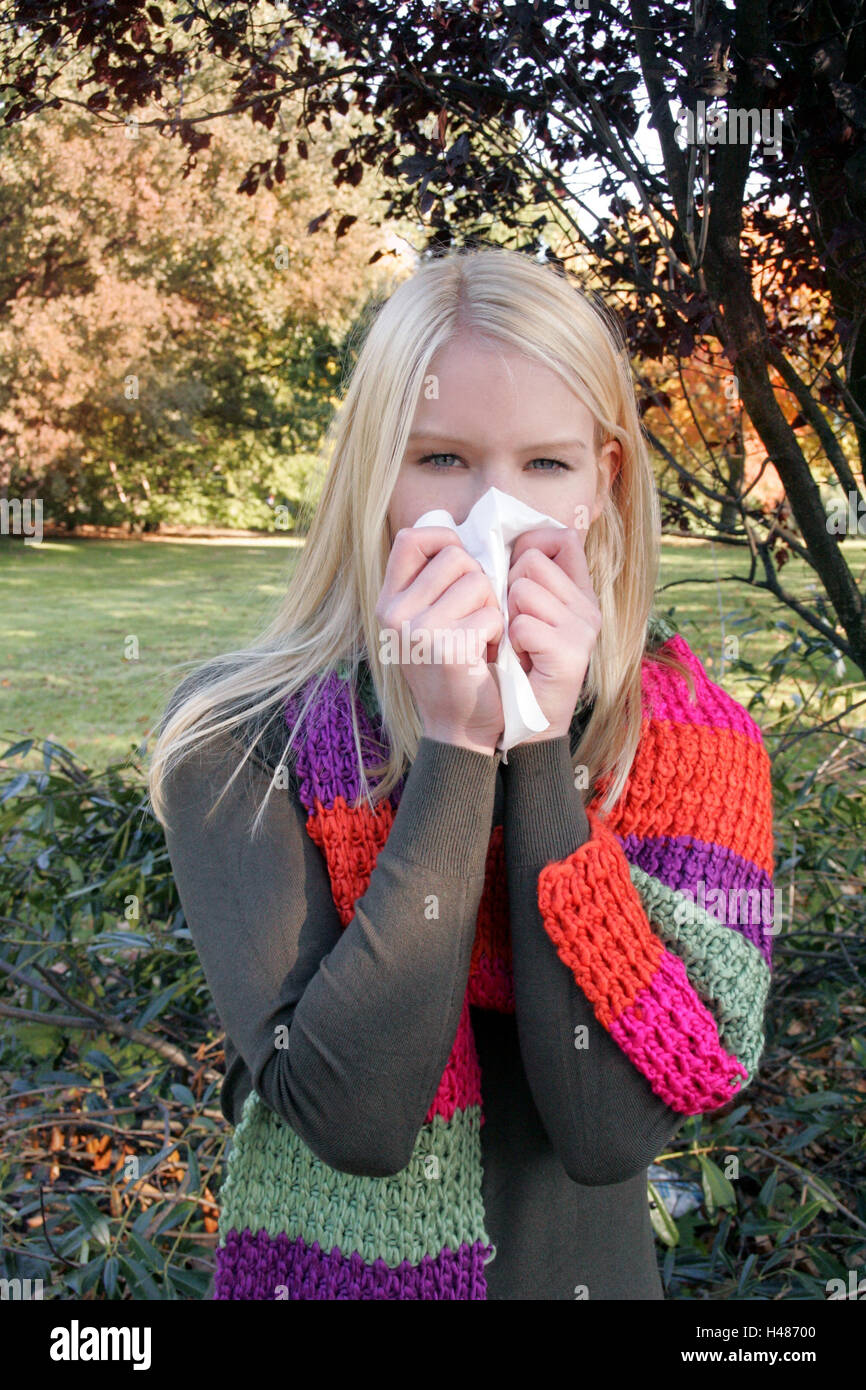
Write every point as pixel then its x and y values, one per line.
pixel 632 913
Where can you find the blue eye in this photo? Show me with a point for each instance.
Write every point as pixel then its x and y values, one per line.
pixel 428 458
pixel 557 463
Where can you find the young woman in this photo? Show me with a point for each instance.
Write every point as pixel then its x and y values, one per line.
pixel 467 997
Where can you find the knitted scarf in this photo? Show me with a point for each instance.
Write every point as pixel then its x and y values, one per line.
pixel 631 913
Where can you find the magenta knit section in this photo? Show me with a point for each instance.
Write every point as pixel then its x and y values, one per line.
pixel 667 697
pixel 672 1038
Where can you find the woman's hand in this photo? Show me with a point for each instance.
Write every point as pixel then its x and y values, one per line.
pixel 554 619
pixel 431 582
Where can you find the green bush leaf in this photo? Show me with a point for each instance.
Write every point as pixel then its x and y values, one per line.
pixel 767 1192
pixel 189 1282
pixel 110 1272
pixel 140 1282
pixel 662 1222
pixel 718 1191
pixel 156 1006
pixel 145 1252
pixel 91 1218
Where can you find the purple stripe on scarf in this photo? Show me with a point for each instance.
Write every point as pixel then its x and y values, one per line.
pixel 325 759
pixel 267 1267
pixel 682 862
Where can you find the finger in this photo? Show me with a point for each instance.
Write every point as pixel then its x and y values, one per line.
pixel 563 631
pixel 470 593
pixel 535 565
pixel 552 651
pixel 469 641
pixel 528 596
pixel 562 544
pixel 413 548
pixel 533 639
pixel 488 625
pixel 423 561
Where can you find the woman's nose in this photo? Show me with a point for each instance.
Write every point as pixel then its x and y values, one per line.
pixel 500 475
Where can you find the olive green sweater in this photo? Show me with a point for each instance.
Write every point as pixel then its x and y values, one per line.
pixel 568 1219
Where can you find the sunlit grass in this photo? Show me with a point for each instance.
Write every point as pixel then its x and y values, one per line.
pixel 71 609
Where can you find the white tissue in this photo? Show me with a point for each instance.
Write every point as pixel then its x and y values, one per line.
pixel 488 534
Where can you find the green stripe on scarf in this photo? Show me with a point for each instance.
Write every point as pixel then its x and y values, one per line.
pixel 728 972
pixel 274 1181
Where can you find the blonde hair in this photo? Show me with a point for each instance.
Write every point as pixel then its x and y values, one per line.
pixel 327 617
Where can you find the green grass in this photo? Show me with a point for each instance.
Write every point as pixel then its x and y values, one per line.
pixel 71 606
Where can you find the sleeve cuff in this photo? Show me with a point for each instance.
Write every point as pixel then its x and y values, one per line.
pixel 445 814
pixel 546 814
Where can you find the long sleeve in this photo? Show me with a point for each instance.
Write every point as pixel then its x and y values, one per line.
pixel 599 1111
pixel 632 911
pixel 346 1032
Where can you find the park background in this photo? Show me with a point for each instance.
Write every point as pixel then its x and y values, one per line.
pixel 198 216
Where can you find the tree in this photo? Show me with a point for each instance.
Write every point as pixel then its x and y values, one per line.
pixel 488 96
pixel 166 346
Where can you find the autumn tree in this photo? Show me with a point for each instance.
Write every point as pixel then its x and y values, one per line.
pixel 169 350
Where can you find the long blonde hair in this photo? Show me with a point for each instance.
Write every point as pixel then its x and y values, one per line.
pixel 327 617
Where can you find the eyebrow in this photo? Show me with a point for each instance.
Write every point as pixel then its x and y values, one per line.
pixel 571 443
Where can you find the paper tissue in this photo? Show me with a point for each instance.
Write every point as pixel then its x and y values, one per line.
pixel 488 534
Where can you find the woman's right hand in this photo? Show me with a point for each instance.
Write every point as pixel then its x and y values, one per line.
pixel 433 583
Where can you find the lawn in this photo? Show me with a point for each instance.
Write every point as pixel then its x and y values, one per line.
pixel 68 668
pixel 71 608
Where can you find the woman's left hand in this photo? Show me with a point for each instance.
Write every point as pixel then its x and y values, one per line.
pixel 554 619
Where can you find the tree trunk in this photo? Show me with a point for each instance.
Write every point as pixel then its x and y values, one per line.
pixel 746 344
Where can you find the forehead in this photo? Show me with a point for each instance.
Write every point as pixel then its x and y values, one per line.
pixel 476 384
